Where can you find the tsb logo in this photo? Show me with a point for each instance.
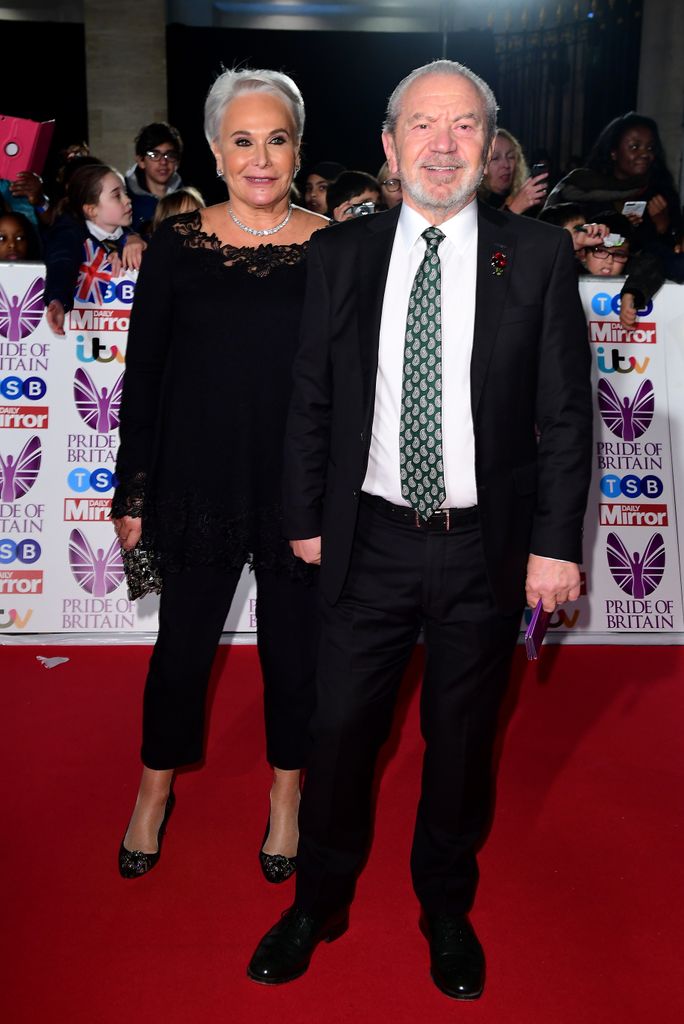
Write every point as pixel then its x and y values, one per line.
pixel 604 304
pixel 25 551
pixel 100 480
pixel 631 486
pixel 14 388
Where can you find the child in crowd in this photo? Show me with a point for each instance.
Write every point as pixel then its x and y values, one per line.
pixel 571 217
pixel 603 249
pixel 158 150
pixel 349 191
pixel 610 258
pixel 92 231
pixel 184 200
pixel 18 238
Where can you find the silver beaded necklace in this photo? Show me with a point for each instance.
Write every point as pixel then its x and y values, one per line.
pixel 264 231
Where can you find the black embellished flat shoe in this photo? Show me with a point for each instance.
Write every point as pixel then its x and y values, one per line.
pixel 134 863
pixel 276 867
pixel 285 951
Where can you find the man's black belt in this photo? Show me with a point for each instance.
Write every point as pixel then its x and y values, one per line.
pixel 444 519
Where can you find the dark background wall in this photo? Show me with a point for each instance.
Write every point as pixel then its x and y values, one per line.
pixel 44 76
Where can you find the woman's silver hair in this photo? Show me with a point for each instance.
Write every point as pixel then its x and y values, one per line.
pixel 444 67
pixel 231 83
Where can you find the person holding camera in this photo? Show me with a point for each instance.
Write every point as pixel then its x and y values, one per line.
pixel 507 183
pixel 352 194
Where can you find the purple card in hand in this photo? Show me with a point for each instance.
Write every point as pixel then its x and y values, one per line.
pixel 535 632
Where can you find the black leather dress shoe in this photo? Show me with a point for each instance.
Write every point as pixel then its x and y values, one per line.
pixel 457 962
pixel 285 951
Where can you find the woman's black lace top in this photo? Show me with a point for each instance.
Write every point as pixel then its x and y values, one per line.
pixel 212 338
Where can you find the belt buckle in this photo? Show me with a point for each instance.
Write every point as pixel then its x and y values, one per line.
pixel 417 518
pixel 447 516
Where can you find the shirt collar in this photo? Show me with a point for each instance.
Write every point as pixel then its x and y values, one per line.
pixel 460 228
pixel 101 235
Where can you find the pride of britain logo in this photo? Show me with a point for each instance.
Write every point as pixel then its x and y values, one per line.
pixel 626 417
pixel 99 409
pixel 96 571
pixel 20 317
pixel 19 473
pixel 636 573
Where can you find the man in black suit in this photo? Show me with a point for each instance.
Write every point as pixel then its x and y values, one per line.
pixel 437 339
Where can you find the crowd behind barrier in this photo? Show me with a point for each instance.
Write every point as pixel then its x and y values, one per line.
pixel 60 565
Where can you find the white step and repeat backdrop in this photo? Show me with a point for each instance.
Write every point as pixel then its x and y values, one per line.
pixel 60 568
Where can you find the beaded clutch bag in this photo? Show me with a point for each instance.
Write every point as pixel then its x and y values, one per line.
pixel 143 576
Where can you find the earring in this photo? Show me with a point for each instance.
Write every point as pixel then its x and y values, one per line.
pixel 219 172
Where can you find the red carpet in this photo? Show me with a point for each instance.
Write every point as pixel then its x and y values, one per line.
pixel 580 903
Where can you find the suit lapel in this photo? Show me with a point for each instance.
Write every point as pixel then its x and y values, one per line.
pixel 373 265
pixel 495 249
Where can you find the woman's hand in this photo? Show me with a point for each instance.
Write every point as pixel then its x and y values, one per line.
pixel 531 194
pixel 628 313
pixel 132 254
pixel 128 530
pixel 588 235
pixel 29 185
pixel 659 214
pixel 54 315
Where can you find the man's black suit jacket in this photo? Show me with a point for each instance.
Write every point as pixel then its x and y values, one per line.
pixel 530 368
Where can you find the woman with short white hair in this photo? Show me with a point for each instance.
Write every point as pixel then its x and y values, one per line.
pixel 212 337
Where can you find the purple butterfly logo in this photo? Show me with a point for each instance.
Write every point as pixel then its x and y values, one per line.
pixel 18 475
pixel 97 572
pixel 626 419
pixel 19 319
pixel 99 409
pixel 638 575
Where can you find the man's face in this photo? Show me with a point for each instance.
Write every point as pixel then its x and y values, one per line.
pixel 437 147
pixel 159 167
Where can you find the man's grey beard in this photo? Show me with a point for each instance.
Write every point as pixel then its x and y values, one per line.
pixel 449 203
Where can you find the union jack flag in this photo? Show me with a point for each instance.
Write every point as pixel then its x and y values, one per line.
pixel 94 274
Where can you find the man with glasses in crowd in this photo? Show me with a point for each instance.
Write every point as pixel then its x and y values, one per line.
pixel 158 149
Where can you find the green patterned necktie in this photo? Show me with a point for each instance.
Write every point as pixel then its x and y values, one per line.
pixel 420 436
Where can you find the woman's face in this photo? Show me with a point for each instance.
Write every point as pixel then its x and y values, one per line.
pixel 113 209
pixel 257 149
pixel 634 153
pixel 13 241
pixel 391 196
pixel 316 193
pixel 499 176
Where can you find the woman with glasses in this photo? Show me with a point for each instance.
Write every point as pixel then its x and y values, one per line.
pixel 158 150
pixel 390 187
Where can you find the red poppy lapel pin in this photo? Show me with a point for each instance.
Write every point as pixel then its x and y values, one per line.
pixel 498 261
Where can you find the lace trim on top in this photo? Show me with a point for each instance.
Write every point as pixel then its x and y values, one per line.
pixel 259 260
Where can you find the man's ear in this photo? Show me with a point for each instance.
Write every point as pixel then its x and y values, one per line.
pixel 488 154
pixel 390 148
pixel 140 161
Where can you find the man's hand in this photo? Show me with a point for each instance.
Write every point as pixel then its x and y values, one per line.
pixel 551 581
pixel 308 550
pixel 54 315
pixel 128 531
